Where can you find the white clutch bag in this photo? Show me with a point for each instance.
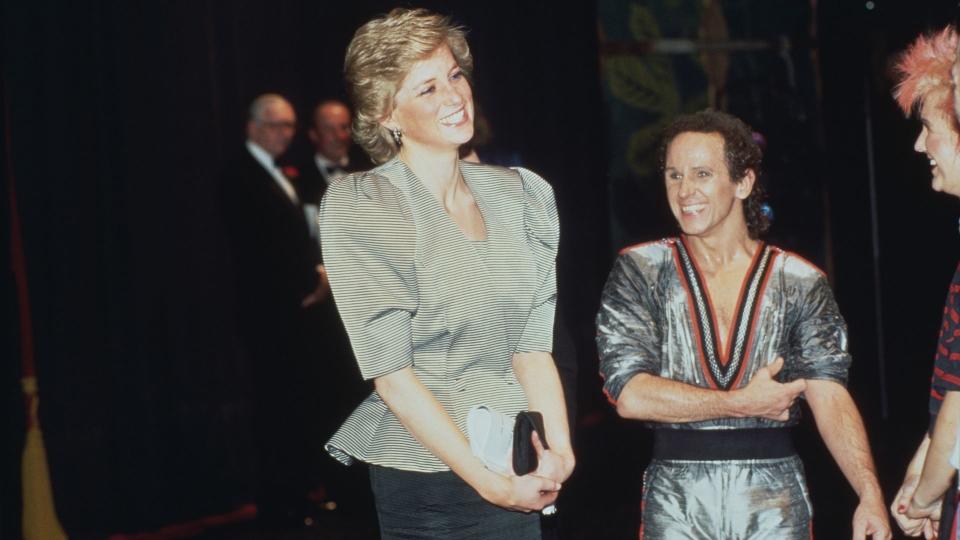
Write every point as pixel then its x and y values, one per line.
pixel 491 438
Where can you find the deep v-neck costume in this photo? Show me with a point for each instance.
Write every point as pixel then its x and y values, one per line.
pixel 414 291
pixel 656 317
pixel 724 365
pixel 724 477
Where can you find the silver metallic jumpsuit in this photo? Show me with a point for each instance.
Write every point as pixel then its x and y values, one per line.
pixel 656 317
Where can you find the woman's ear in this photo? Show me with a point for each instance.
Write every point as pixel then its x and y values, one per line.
pixel 745 185
pixel 390 120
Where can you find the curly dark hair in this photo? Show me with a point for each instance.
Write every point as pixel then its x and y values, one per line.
pixel 740 151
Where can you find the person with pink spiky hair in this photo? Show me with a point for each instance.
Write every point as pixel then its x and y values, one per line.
pixel 927 71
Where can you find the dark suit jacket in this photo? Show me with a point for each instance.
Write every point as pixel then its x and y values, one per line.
pixel 274 268
pixel 274 257
pixel 345 387
pixel 311 185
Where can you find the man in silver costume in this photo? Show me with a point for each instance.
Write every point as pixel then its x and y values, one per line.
pixel 711 337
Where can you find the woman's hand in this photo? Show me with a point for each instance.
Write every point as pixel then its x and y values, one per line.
pixel 898 508
pixel 550 464
pixel 530 492
pixel 928 510
pixel 901 502
pixel 527 493
pixel 534 491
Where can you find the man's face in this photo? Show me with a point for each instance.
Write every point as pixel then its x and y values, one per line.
pixel 938 140
pixel 702 196
pixel 330 133
pixel 274 130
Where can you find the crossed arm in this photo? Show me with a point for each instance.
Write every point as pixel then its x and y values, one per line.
pixel 648 397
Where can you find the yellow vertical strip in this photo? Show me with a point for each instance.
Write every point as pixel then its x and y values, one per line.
pixel 39 514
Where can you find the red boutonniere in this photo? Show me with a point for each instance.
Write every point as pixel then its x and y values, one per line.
pixel 290 172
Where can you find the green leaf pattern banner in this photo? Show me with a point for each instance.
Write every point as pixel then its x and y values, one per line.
pixel 643 90
pixel 661 58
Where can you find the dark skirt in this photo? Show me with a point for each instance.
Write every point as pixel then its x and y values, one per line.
pixel 441 505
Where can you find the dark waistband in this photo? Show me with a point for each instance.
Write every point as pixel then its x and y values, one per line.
pixel 722 444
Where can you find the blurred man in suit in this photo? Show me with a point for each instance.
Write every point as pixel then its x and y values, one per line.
pixel 340 388
pixel 278 278
pixel 334 152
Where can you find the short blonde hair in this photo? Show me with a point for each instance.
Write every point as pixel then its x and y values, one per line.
pixel 380 55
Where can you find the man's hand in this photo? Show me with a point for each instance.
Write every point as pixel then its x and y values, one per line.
pixel 842 429
pixel 321 292
pixel 767 398
pixel 871 520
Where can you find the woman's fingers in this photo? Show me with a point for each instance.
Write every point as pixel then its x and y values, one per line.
pixel 537 445
pixel 532 493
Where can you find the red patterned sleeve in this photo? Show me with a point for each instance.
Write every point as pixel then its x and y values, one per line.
pixel 946 366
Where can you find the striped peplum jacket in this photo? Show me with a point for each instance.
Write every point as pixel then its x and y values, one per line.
pixel 414 291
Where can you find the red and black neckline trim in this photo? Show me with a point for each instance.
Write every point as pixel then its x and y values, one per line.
pixel 724 368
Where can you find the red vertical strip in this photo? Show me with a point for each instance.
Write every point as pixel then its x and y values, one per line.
pixel 17 259
pixel 640 532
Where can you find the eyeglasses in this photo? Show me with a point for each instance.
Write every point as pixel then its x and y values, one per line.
pixel 277 124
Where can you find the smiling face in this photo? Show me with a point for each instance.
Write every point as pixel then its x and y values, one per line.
pixel 434 106
pixel 938 140
pixel 330 132
pixel 702 196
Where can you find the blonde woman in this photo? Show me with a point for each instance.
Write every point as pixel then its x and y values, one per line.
pixel 444 275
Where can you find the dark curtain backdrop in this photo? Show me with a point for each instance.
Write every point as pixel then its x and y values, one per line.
pixel 918 236
pixel 120 114
pixel 13 416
